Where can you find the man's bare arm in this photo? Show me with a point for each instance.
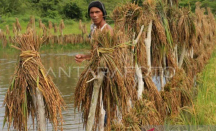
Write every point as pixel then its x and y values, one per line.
pixel 81 57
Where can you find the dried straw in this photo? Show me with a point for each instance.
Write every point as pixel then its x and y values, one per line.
pixel 117 89
pixel 29 75
pixel 18 26
pixel 7 30
pixel 55 28
pixel 50 25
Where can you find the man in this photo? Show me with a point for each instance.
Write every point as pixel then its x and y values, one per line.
pixel 97 13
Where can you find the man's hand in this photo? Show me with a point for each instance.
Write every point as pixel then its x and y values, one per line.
pixel 79 58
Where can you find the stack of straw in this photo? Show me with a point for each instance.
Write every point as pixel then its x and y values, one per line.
pixel 30 77
pixel 110 55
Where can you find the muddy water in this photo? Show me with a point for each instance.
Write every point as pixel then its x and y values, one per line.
pixel 62 67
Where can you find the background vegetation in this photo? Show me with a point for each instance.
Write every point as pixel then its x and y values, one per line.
pixel 69 10
pixel 72 9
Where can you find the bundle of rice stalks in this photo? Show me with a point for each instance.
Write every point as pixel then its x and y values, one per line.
pixel 125 17
pixel 147 113
pixel 158 43
pixel 14 29
pixel 10 39
pixel 31 23
pixel 4 39
pixel 7 30
pixel 173 14
pixel 51 39
pixel 41 25
pixel 186 28
pixel 55 28
pixel 190 67
pixel 18 26
pixel 110 55
pixel 199 12
pixel 152 94
pixel 211 24
pixel 50 25
pixel 163 31
pixel 200 27
pixel 131 122
pixel 202 58
pixel 73 38
pixel 83 29
pixel 29 78
pixel 61 27
pixel 130 17
pixel 56 39
pixel 161 11
pixel 178 92
pixel 141 117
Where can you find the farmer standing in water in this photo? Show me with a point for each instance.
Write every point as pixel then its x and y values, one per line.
pixel 97 13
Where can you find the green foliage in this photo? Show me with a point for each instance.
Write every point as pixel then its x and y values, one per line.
pixel 204 3
pixel 139 2
pixel 9 7
pixel 49 8
pixel 72 11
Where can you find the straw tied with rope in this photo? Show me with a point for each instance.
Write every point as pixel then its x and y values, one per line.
pixel 32 91
pixel 171 38
pixel 98 90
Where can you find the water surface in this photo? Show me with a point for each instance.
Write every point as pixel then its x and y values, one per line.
pixel 62 67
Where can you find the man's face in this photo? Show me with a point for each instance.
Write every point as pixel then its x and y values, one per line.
pixel 96 15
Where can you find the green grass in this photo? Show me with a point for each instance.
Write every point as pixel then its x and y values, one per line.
pixel 71 26
pixel 203 110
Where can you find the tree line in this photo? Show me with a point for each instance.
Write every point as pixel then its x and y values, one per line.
pixel 74 9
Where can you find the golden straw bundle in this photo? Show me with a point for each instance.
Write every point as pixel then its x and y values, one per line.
pixel 18 26
pixel 30 75
pixel 117 89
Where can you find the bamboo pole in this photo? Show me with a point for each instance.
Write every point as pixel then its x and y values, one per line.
pixel 97 84
pixel 140 81
pixel 161 79
pixel 176 53
pixel 191 53
pixel 138 69
pixel 162 72
pixel 148 47
pixel 40 110
pixel 182 55
pixel 101 114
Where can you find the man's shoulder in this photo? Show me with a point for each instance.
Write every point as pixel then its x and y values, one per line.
pixel 109 28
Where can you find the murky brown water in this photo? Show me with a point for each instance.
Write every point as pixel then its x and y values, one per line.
pixel 64 71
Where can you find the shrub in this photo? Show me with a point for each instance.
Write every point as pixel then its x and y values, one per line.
pixel 73 11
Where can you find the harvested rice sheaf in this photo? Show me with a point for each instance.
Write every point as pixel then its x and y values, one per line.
pixel 118 86
pixel 30 75
pixel 171 26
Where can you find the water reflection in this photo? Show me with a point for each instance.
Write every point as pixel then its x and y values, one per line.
pixel 64 71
